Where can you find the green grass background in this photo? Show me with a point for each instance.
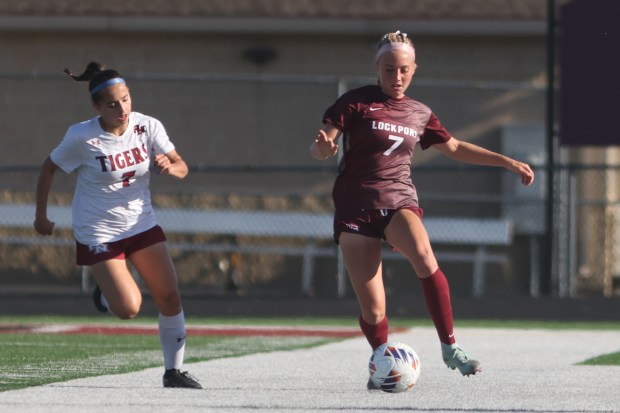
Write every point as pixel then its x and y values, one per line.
pixel 34 359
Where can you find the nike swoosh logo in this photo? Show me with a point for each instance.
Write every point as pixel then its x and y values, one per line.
pixel 373 109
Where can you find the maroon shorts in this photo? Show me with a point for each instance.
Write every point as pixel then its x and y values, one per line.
pixel 89 255
pixel 368 222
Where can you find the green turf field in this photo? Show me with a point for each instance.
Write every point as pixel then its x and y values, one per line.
pixel 612 359
pixel 34 359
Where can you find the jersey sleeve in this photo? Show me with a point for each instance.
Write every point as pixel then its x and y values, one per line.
pixel 434 133
pixel 67 155
pixel 161 141
pixel 341 112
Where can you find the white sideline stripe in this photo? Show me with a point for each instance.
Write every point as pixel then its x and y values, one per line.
pixel 54 328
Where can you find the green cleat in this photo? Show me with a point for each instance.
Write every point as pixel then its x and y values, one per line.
pixel 457 358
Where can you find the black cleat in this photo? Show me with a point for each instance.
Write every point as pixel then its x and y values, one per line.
pixel 180 379
pixel 97 300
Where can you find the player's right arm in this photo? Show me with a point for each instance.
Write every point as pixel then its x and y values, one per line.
pixel 46 176
pixel 324 145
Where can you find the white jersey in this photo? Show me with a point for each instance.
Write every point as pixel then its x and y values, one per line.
pixel 112 200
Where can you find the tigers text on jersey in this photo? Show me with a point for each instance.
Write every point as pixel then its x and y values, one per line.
pixel 379 136
pixel 112 199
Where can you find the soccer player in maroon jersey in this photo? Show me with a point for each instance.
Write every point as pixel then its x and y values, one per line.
pixel 375 198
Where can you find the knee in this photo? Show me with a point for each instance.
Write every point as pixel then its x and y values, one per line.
pixel 127 315
pixel 129 309
pixel 424 264
pixel 169 303
pixel 373 315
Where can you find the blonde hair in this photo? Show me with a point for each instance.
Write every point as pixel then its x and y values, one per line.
pixel 395 40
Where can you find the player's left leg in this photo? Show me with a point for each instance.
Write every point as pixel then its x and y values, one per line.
pixel 156 268
pixel 115 282
pixel 407 234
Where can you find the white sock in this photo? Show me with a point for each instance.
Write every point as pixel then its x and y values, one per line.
pixel 172 339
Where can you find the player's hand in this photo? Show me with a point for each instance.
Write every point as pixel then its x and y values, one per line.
pixel 44 226
pixel 162 164
pixel 524 170
pixel 325 147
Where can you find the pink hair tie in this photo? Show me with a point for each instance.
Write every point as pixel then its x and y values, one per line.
pixel 395 46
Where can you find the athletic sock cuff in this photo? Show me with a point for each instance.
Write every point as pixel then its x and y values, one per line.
pixel 172 321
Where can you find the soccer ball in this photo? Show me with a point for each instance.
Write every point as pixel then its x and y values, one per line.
pixel 394 367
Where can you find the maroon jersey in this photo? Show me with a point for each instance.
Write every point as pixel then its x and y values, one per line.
pixel 379 136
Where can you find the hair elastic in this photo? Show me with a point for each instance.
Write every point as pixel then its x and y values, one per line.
pixel 107 83
pixel 395 46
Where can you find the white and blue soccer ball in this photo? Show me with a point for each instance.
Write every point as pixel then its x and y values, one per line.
pixel 394 367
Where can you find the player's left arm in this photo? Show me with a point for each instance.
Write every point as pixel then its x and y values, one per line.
pixel 474 154
pixel 172 164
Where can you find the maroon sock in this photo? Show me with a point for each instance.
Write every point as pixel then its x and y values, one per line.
pixel 375 334
pixel 437 296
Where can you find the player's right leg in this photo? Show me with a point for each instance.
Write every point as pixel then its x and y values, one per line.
pixel 362 257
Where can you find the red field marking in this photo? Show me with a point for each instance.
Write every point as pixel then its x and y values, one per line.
pixel 14 329
pixel 217 331
pixel 282 331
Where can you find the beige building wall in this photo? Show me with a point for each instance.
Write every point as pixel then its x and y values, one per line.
pixel 269 123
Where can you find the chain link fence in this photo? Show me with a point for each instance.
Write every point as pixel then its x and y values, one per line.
pixel 246 139
pixel 587 231
pixel 270 262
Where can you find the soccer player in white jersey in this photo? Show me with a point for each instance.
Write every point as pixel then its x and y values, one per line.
pixel 113 218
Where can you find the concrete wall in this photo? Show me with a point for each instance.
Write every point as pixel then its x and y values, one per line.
pixel 265 123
